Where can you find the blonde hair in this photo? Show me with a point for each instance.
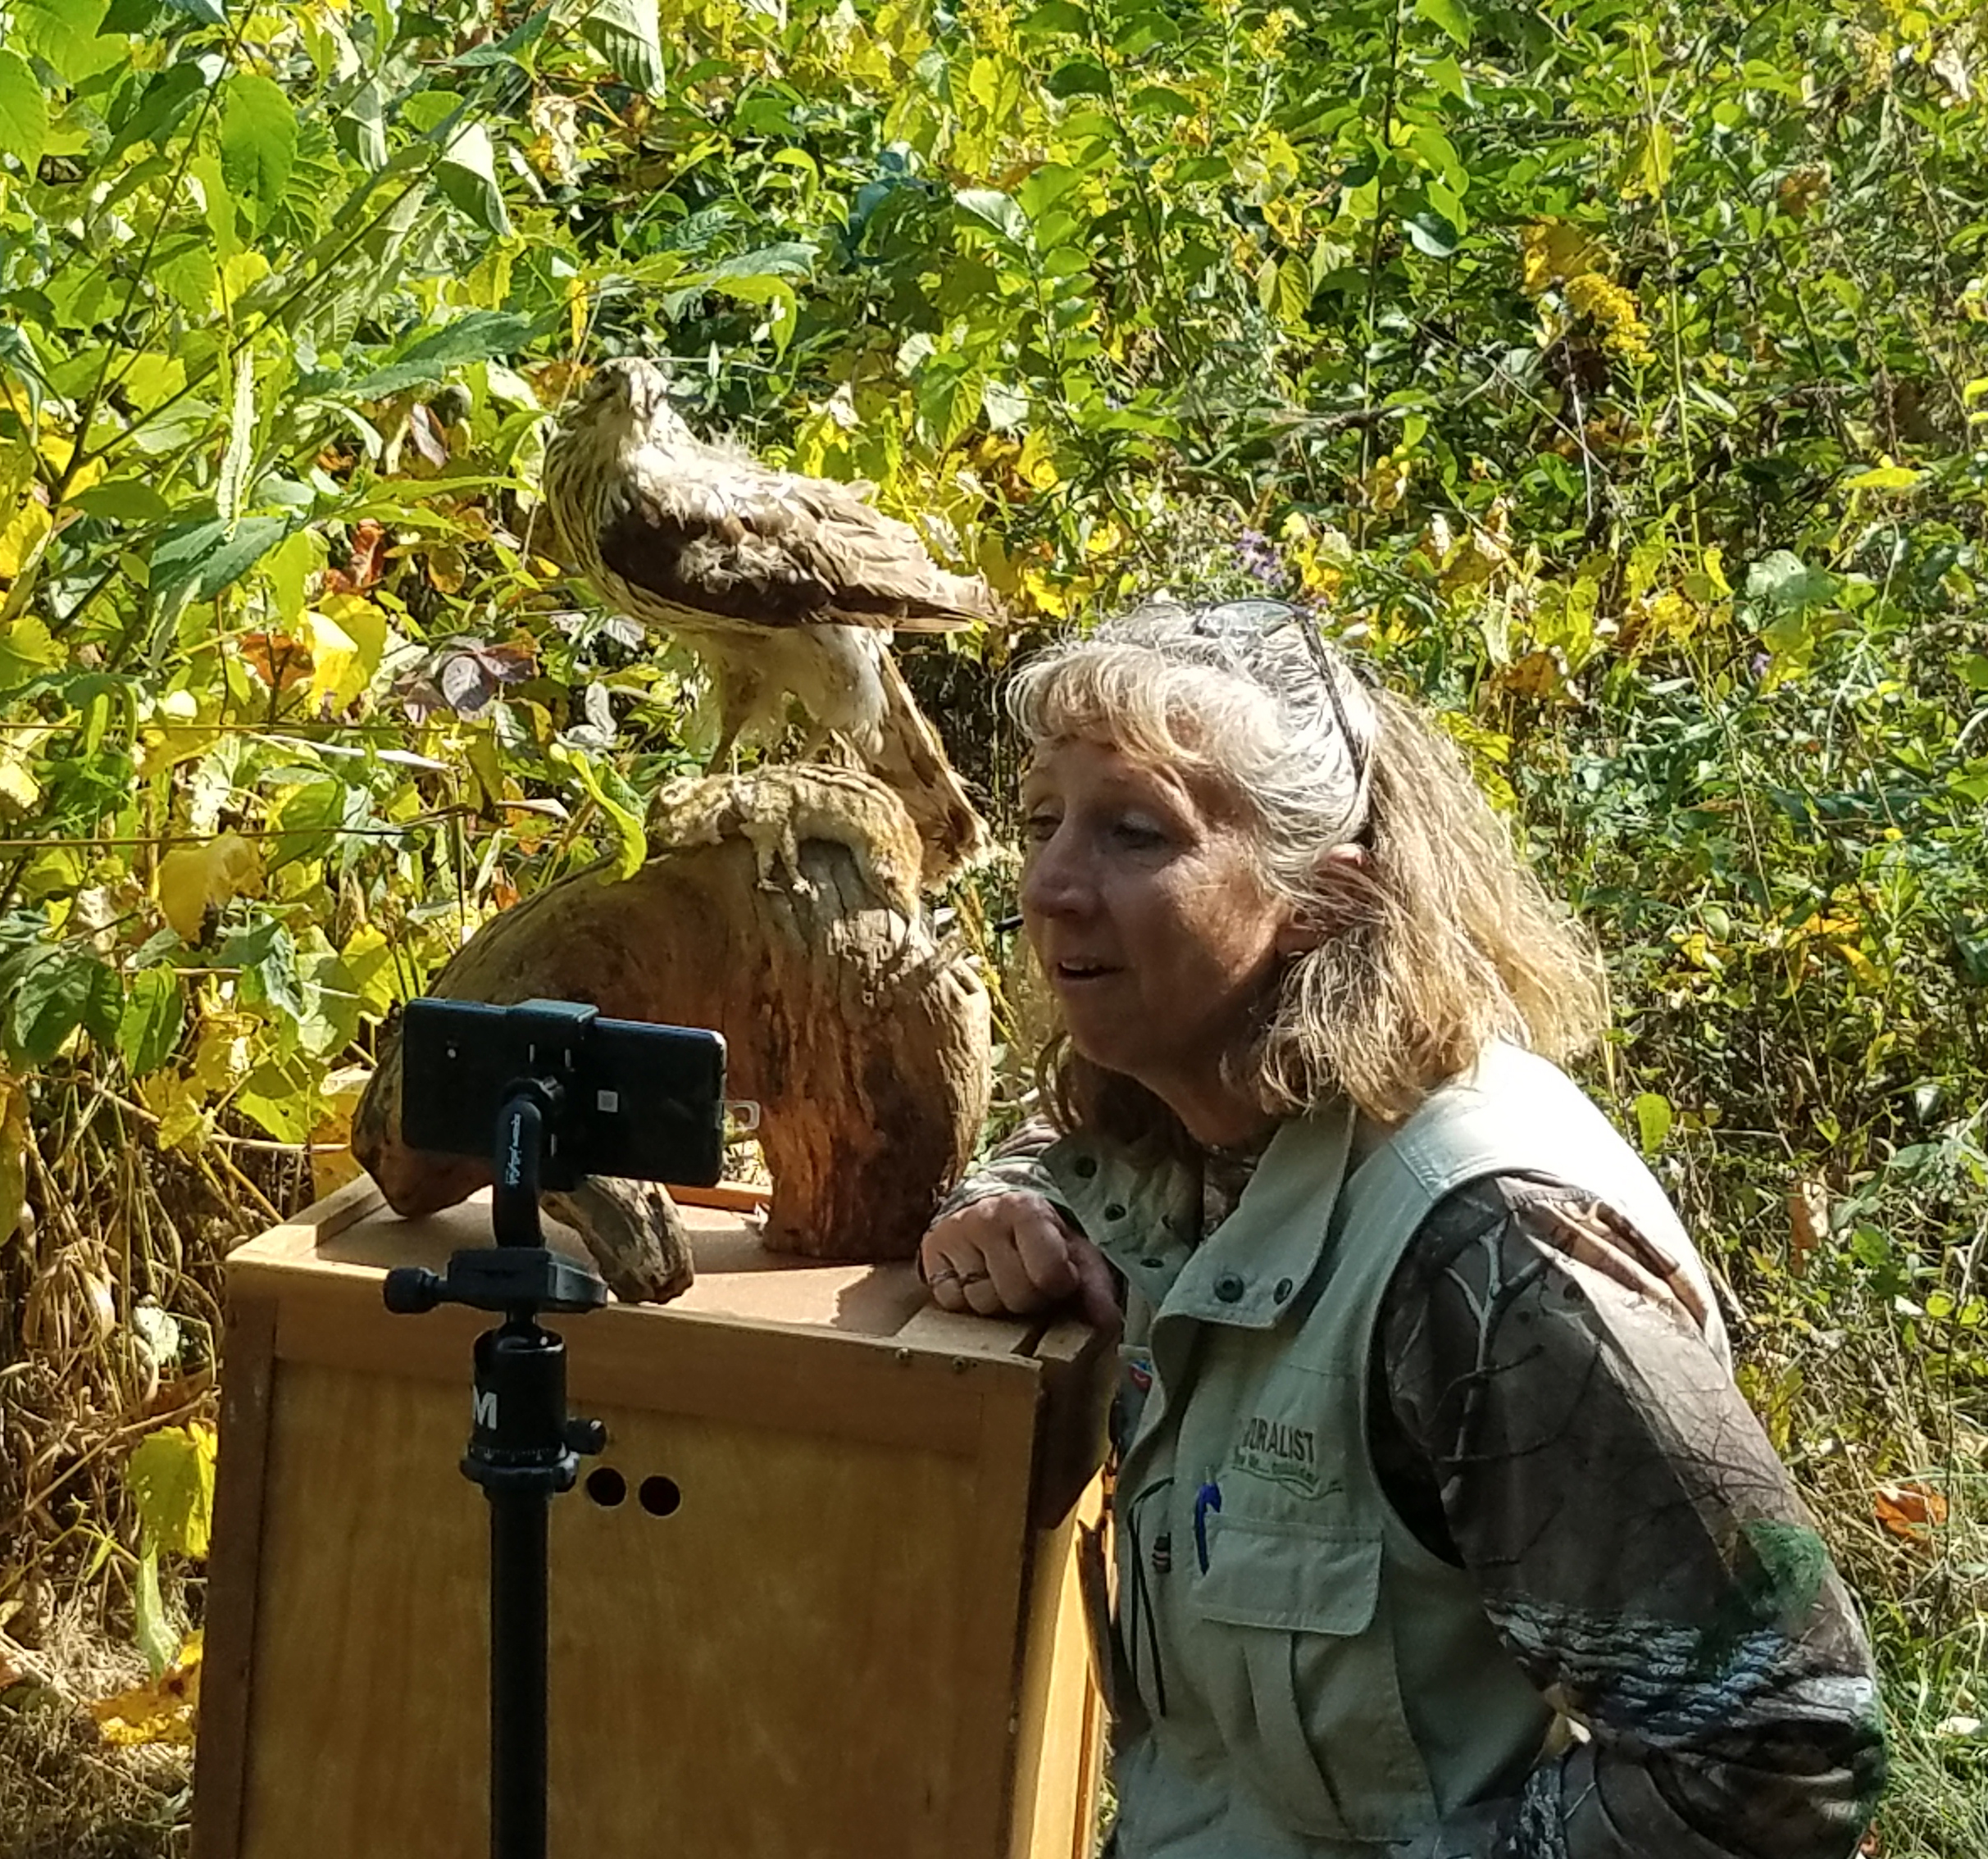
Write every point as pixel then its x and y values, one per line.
pixel 1438 941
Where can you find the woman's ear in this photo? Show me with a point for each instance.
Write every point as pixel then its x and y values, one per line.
pixel 1340 870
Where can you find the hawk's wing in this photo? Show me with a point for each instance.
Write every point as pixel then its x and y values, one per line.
pixel 723 536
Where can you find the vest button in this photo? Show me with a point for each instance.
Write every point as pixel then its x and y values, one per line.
pixel 1085 1166
pixel 1115 1210
pixel 1283 1289
pixel 1153 1264
pixel 1229 1288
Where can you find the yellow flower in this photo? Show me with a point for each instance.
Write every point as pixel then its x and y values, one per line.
pixel 1615 309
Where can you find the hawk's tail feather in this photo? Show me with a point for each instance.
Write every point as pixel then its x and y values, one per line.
pixel 910 760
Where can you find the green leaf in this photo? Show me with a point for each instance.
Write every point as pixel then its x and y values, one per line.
pixel 1432 234
pixel 103 1008
pixel 481 336
pixel 24 111
pixel 164 101
pixel 51 999
pixel 1653 1120
pixel 427 110
pixel 150 1627
pixel 266 956
pixel 625 34
pixel 195 561
pixel 361 127
pixel 1974 668
pixel 171 1475
pixel 309 818
pixel 1081 77
pixel 997 210
pixel 278 1097
pixel 123 500
pixel 631 841
pixel 288 567
pixel 467 175
pixel 1783 579
pixel 259 142
pixel 1058 16
pixel 1452 17
pixel 154 1015
pixel 27 650
pixel 65 35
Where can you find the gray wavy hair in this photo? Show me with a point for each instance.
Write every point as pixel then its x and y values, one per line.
pixel 1437 940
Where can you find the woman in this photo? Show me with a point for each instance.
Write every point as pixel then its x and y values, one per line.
pixel 1441 1529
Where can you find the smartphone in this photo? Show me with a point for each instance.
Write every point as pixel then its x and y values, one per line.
pixel 642 1101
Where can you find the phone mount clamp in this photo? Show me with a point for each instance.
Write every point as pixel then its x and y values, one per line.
pixel 524 1449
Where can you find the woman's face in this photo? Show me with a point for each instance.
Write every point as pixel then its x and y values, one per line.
pixel 1143 905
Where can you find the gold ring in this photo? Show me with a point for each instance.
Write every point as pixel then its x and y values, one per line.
pixel 945 1275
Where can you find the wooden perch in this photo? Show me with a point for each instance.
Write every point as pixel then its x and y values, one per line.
pixel 780 909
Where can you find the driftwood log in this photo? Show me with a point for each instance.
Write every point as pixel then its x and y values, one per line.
pixel 780 909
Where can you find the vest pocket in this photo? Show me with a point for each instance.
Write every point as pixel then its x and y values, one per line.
pixel 1300 1662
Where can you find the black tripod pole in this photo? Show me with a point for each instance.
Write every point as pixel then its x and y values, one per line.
pixel 523 1449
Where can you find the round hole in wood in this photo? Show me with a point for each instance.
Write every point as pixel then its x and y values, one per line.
pixel 660 1496
pixel 606 1486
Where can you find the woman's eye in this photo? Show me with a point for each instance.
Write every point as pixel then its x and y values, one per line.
pixel 1039 826
pixel 1141 835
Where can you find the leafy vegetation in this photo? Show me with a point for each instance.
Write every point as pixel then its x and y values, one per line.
pixel 1615 375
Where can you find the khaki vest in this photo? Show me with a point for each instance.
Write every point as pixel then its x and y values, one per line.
pixel 1297 1676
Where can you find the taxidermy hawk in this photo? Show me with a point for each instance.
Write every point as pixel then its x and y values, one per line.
pixel 786 586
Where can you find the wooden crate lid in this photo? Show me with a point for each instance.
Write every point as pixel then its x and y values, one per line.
pixel 353 1234
pixel 843 1347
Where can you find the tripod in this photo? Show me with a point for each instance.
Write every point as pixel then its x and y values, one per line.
pixel 523 1448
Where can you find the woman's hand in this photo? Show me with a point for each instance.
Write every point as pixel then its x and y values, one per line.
pixel 1014 1252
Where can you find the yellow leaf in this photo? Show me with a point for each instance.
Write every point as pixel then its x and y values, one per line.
pixel 171 1475
pixel 160 748
pixel 13 1153
pixel 22 536
pixel 368 961
pixel 19 789
pixel 224 1052
pixel 1886 476
pixel 334 653
pixel 1387 483
pixel 180 1105
pixel 1551 251
pixel 163 1711
pixel 193 880
pixel 341 1091
pixel 348 636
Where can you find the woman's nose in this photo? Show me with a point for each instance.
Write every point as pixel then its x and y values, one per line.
pixel 1054 882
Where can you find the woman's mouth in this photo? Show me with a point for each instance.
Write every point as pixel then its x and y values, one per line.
pixel 1073 973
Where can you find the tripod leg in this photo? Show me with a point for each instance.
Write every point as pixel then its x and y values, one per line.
pixel 517 1673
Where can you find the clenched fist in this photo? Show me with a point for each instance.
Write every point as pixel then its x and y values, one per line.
pixel 1013 1253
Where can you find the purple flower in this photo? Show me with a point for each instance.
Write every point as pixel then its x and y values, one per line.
pixel 1258 557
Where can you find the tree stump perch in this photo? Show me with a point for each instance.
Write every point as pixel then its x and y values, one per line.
pixel 779 909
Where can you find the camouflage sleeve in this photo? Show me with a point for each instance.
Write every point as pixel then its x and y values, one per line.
pixel 1556 1425
pixel 1013 1163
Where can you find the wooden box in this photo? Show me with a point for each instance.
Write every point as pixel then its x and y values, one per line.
pixel 858 1635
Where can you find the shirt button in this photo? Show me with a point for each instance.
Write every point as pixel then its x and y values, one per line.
pixel 1229 1288
pixel 1153 1264
pixel 1085 1166
pixel 1115 1210
pixel 1283 1289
